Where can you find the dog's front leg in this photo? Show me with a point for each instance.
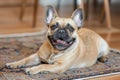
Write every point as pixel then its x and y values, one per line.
pixel 45 68
pixel 30 60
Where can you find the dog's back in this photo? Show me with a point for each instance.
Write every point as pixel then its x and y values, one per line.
pixel 91 38
pixel 94 48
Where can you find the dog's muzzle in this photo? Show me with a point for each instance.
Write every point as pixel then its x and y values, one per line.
pixel 61 40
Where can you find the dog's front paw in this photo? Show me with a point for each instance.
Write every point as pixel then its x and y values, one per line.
pixel 13 65
pixel 30 71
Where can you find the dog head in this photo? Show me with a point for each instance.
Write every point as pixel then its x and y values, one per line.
pixel 62 32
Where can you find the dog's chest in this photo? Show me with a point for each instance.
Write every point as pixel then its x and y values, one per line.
pixel 53 57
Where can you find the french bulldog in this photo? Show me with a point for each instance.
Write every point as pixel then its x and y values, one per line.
pixel 67 46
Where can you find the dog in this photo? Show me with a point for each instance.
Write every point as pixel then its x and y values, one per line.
pixel 67 46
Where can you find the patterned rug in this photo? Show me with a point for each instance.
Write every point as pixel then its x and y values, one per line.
pixel 16 48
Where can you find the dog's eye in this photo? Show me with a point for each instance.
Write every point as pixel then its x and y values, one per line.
pixel 71 29
pixel 55 26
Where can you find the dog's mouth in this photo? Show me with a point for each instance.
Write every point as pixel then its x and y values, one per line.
pixel 61 44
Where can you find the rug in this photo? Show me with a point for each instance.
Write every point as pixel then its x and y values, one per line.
pixel 16 48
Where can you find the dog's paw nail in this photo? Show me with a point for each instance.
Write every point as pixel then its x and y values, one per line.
pixel 28 73
pixel 40 72
pixel 44 72
pixel 7 66
pixel 20 66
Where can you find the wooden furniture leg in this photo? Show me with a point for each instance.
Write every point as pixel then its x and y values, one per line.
pixel 102 15
pixel 107 13
pixel 82 4
pixel 86 8
pixel 75 4
pixel 35 12
pixel 58 5
pixel 22 9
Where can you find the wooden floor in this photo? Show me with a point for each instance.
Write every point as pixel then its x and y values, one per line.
pixel 10 24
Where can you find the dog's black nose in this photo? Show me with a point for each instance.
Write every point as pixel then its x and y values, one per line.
pixel 62 31
pixel 61 34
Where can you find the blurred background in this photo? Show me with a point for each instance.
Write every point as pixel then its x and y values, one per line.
pixel 22 16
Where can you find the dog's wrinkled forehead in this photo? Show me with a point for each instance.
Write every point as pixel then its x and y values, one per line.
pixel 63 22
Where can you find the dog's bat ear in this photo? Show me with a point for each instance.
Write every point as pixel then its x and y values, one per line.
pixel 78 17
pixel 50 14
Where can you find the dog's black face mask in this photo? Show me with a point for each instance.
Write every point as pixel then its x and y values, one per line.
pixel 61 38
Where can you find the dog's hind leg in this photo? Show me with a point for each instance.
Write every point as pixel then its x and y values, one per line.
pixel 30 60
pixel 103 59
pixel 103 51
